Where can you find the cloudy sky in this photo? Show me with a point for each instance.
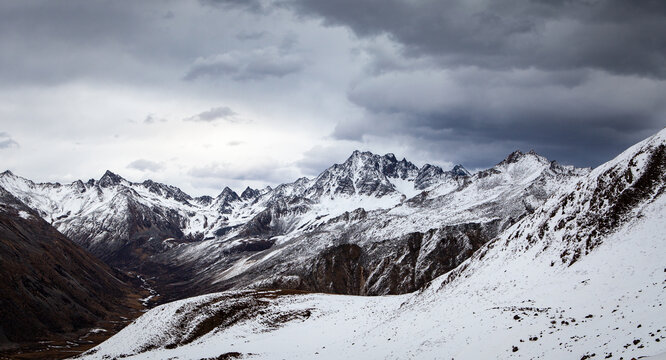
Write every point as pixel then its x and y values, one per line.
pixel 204 94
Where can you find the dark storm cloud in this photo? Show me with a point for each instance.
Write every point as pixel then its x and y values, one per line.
pixel 462 81
pixel 256 6
pixel 52 42
pixel 214 114
pixel 617 36
pixel 582 118
pixel 578 80
pixel 254 64
pixel 7 142
pixel 145 165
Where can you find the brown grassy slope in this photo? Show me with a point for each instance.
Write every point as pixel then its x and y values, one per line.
pixel 50 286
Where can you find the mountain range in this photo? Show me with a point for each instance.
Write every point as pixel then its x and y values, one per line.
pixel 519 248
pixel 581 276
pixel 371 225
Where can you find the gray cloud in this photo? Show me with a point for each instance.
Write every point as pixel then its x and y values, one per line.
pixel 582 117
pixel 255 64
pixel 151 119
pixel 6 141
pixel 580 80
pixel 145 165
pixel 321 157
pixel 251 172
pixel 434 80
pixel 214 114
pixel 250 35
pixel 615 35
pixel 255 6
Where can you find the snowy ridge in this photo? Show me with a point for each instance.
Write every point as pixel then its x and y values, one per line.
pixel 203 216
pixel 559 283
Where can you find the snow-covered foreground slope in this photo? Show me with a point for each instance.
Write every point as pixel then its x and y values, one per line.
pixel 582 277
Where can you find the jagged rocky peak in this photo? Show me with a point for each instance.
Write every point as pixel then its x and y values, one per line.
pixel 388 164
pixel 518 155
pixel 204 200
pixel 228 195
pixel 225 199
pixel 402 169
pixel 79 185
pixel 513 157
pixel 8 176
pixel 168 191
pixel 249 193
pixel 427 176
pixel 460 170
pixel 363 173
pixel 110 179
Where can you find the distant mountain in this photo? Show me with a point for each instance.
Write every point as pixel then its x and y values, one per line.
pixel 578 273
pixel 370 225
pixel 51 286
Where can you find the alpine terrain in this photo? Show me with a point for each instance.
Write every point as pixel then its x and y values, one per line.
pixel 549 262
pixel 528 258
pixel 372 225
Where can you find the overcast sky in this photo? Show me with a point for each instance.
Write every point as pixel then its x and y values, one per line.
pixel 206 94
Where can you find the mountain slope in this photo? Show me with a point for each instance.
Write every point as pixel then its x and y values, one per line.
pixel 51 286
pixel 581 277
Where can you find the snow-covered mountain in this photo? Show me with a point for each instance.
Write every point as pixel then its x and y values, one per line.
pixel 581 276
pixel 371 225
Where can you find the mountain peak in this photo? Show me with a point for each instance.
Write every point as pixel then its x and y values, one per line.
pixel 167 191
pixel 249 193
pixel 517 155
pixel 228 195
pixel 224 200
pixel 7 173
pixel 110 179
pixel 460 170
pixel 358 153
pixel 513 157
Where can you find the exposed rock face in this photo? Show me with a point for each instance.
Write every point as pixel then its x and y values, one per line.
pixel 250 193
pixel 394 266
pixel 50 285
pixel 167 191
pixel 337 270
